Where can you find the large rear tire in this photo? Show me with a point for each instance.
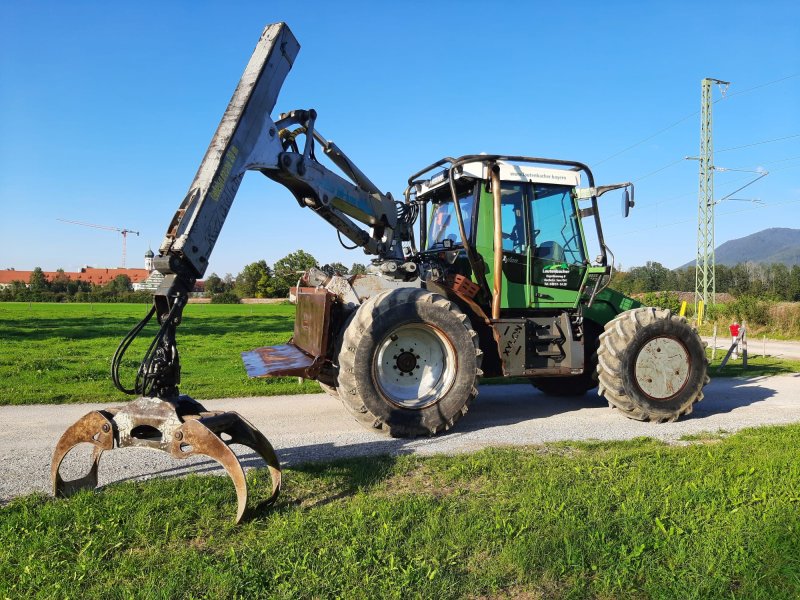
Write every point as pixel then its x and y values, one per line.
pixel 651 365
pixel 409 363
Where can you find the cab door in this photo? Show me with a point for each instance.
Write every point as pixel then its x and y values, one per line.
pixel 516 246
pixel 558 256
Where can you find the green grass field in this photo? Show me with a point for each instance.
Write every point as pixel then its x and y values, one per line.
pixel 61 353
pixel 717 518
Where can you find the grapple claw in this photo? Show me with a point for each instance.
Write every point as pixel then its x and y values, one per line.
pixel 181 427
pixel 94 428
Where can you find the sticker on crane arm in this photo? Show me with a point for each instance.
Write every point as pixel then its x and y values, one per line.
pixel 224 173
pixel 556 275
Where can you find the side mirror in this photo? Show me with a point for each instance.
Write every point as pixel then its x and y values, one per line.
pixel 627 201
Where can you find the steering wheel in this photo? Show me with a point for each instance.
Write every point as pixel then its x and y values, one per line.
pixel 513 235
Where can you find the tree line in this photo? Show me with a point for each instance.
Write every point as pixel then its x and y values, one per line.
pixel 259 280
pixel 256 280
pixel 775 281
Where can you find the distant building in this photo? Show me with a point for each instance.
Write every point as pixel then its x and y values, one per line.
pixel 147 279
pixel 153 279
pixel 88 274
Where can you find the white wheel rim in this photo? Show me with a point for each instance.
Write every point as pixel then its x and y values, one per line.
pixel 415 366
pixel 662 368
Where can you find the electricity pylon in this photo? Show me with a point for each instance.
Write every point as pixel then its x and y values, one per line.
pixel 705 285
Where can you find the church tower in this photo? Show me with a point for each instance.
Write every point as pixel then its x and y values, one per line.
pixel 148 260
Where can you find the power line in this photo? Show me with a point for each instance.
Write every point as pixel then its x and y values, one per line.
pixel 675 162
pixel 723 213
pixel 697 112
pixel 780 139
pixel 659 170
pixel 761 85
pixel 643 204
pixel 648 138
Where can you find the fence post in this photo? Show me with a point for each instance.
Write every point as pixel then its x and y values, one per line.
pixel 744 344
pixel 714 344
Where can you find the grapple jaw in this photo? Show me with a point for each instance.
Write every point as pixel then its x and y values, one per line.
pixel 181 427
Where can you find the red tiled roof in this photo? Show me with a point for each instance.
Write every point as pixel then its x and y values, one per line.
pixel 90 274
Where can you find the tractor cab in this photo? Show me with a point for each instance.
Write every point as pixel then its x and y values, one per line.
pixel 542 241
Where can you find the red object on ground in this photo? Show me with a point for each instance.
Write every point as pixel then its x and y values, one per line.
pixel 734 330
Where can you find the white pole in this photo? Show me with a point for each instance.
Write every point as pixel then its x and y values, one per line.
pixel 714 346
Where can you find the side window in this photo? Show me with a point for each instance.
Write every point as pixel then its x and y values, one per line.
pixel 444 224
pixel 557 235
pixel 514 232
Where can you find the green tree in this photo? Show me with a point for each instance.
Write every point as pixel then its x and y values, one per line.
pixel 249 281
pixel 60 283
pixel 288 271
pixel 652 277
pixel 794 284
pixel 358 269
pixel 214 285
pixel 335 268
pixel 685 279
pixel 119 285
pixel 779 278
pixel 38 282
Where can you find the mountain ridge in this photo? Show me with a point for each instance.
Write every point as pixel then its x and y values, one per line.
pixel 773 245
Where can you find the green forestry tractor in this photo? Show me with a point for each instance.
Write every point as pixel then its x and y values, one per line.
pixel 481 270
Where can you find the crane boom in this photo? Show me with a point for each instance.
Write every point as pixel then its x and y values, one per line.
pixel 123 231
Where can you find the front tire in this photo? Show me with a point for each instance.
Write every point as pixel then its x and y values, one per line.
pixel 652 365
pixel 409 363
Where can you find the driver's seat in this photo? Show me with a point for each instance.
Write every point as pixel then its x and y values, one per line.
pixel 550 251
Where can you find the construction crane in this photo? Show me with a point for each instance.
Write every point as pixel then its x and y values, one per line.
pixel 123 231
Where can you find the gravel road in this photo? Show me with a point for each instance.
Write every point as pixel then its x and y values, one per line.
pixel 314 427
pixel 757 346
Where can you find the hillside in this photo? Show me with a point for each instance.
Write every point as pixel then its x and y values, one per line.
pixel 774 245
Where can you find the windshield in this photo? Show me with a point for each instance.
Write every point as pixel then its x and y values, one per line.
pixel 444 223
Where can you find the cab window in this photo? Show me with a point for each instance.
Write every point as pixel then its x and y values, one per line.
pixel 511 207
pixel 443 223
pixel 556 232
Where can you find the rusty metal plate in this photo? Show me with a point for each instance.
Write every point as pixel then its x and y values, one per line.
pixel 272 361
pixel 305 351
pixel 312 320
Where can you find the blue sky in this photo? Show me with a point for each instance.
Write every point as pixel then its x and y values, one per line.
pixel 106 110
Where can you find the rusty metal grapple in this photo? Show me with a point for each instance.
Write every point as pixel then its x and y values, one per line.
pixel 182 428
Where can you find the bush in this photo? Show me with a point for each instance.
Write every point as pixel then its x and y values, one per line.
pixel 225 298
pixel 669 300
pixel 785 317
pixel 751 309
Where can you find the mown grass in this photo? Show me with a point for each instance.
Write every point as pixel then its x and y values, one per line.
pixel 61 353
pixel 573 520
pixel 757 366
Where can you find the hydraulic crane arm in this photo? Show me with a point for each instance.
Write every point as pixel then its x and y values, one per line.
pixel 248 139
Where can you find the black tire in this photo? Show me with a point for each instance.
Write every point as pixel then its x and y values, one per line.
pixel 331 390
pixel 328 378
pixel 373 363
pixel 652 365
pixel 575 385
